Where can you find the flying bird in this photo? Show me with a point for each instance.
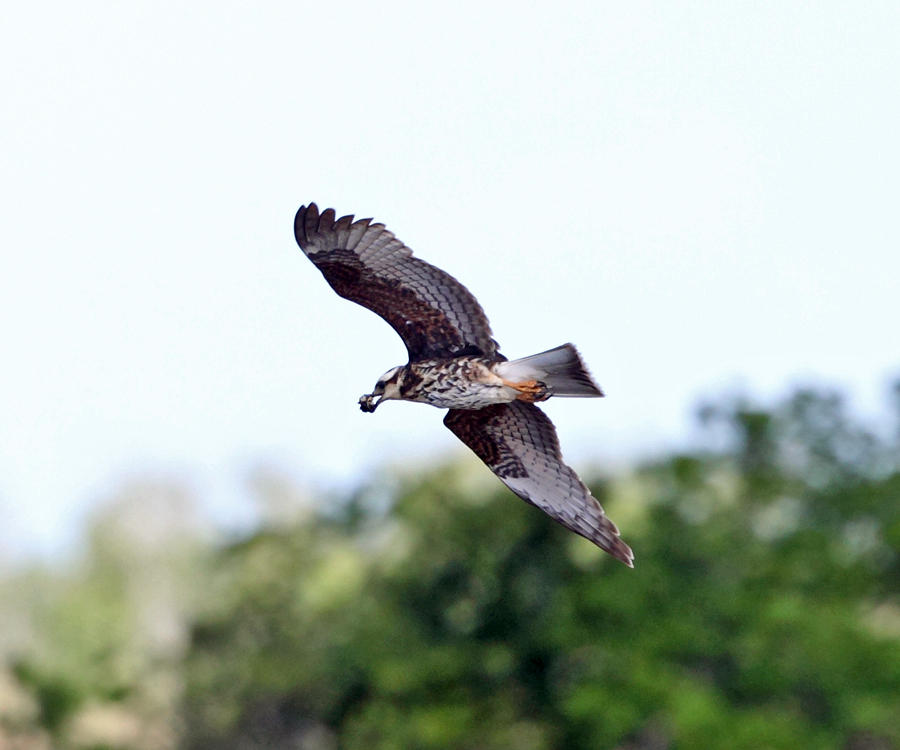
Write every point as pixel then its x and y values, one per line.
pixel 454 363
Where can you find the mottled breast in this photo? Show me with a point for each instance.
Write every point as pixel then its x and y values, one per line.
pixel 460 383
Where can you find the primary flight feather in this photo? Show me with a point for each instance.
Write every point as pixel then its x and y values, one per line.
pixel 455 363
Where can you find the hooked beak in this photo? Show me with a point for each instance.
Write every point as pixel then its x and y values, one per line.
pixel 367 402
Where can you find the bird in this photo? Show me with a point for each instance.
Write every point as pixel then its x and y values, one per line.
pixel 455 364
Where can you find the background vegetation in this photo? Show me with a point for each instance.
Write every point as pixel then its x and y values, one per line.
pixel 434 610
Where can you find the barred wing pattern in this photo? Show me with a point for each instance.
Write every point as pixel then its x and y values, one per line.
pixel 434 314
pixel 518 443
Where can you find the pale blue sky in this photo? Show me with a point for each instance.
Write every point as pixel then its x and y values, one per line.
pixel 699 195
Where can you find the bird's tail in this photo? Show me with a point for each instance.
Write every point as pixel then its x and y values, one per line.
pixel 561 370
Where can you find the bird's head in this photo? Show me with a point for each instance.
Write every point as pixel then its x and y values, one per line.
pixel 387 387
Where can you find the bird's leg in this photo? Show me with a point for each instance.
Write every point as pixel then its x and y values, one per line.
pixel 530 390
pixel 367 402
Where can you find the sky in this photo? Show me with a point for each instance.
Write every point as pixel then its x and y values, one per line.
pixel 702 196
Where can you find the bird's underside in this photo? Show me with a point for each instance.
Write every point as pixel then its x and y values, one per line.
pixel 455 363
pixel 467 382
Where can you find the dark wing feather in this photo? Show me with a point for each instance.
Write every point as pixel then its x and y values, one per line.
pixel 434 314
pixel 518 443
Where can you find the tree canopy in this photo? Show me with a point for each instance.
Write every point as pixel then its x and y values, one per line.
pixel 436 610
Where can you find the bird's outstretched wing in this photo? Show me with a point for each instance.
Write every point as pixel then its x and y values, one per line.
pixel 518 443
pixel 434 314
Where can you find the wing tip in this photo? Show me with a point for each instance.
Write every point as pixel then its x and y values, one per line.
pixel 624 555
pixel 612 544
pixel 306 218
pixel 310 224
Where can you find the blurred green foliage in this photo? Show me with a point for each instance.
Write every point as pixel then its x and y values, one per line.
pixel 435 610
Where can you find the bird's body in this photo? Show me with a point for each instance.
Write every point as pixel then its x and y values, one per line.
pixel 467 382
pixel 459 383
pixel 454 363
